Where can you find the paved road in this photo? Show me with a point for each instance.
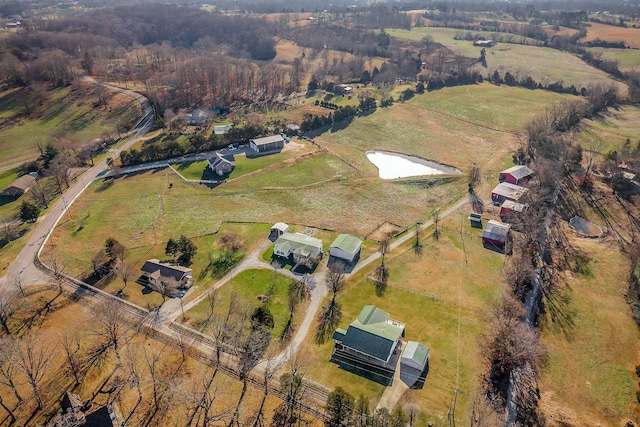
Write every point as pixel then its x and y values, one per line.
pixel 23 267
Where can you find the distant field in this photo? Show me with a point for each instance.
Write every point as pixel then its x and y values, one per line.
pixel 542 64
pixel 628 59
pixel 67 113
pixel 611 33
pixel 455 126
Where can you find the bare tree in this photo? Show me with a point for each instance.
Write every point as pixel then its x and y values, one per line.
pixel 59 169
pixel 125 272
pixel 9 230
pixel 71 344
pixel 34 358
pixel 107 325
pixel 19 286
pixel 9 411
pixel 98 261
pixel 9 370
pixel 131 364
pixel 412 410
pixel 153 356
pixel 40 194
pixel 8 307
pixel 269 369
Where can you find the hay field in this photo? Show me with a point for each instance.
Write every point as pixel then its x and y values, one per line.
pixel 542 64
pixel 455 126
pixel 611 33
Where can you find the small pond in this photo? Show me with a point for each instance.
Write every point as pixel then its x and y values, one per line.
pixel 392 165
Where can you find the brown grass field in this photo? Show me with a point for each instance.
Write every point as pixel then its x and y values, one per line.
pixel 611 33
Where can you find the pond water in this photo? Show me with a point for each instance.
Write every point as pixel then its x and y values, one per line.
pixel 391 165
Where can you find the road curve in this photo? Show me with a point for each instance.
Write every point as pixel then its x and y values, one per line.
pixel 23 266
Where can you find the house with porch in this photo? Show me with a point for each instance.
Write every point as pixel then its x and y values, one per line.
pixel 371 338
pixel 289 244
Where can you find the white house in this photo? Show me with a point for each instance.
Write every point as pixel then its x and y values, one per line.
pixel 298 244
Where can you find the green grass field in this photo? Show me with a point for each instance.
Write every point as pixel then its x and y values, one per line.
pixel 628 59
pixel 612 129
pixel 542 64
pixel 192 170
pixel 67 113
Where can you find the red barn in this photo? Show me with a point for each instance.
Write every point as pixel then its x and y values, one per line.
pixel 505 191
pixel 515 175
pixel 496 233
pixel 510 210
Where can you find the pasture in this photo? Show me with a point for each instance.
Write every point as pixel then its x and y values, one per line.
pixel 628 59
pixel 612 129
pixel 613 33
pixel 65 113
pixel 544 65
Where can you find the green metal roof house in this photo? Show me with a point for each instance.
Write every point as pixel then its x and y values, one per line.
pixel 372 337
pixel 297 244
pixel 415 355
pixel 345 247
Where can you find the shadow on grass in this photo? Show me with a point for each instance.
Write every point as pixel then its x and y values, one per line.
pixel 5 200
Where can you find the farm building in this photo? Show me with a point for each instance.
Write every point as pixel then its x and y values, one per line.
pixel 221 165
pixel 346 247
pixel 222 129
pixel 266 144
pixel 158 272
pixel 518 174
pixel 415 355
pixel 297 244
pixel 496 233
pixel 505 191
pixel 277 230
pixel 372 337
pixel 20 185
pixel 511 210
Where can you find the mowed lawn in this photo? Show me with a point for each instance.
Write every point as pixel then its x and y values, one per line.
pixel 590 366
pixel 455 126
pixel 67 113
pixel 545 65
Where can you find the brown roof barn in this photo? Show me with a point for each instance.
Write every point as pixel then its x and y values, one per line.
pixel 20 185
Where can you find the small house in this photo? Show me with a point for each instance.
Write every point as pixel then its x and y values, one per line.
pixel 222 129
pixel 158 272
pixel 346 247
pixel 496 234
pixel 199 117
pixel 517 175
pixel 372 337
pixel 20 185
pixel 415 355
pixel 267 144
pixel 298 244
pixel 505 191
pixel 511 210
pixel 222 164
pixel 277 230
pixel 75 412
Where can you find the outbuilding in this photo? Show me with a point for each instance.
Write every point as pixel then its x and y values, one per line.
pixel 506 191
pixel 415 355
pixel 496 233
pixel 267 144
pixel 346 247
pixel 518 174
pixel 511 210
pixel 277 230
pixel 221 129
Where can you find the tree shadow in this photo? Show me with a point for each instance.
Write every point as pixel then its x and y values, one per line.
pixel 5 200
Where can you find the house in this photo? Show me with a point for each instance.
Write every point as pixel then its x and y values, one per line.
pixel 278 229
pixel 372 337
pixel 267 144
pixel 21 185
pixel 343 89
pixel 496 233
pixel 511 210
pixel 484 43
pixel 222 164
pixel 415 355
pixel 297 244
pixel 199 117
pixel 158 272
pixel 222 129
pixel 505 191
pixel 346 247
pixel 86 414
pixel 517 175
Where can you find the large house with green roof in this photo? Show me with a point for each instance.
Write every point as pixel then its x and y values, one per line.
pixel 298 244
pixel 373 337
pixel 346 247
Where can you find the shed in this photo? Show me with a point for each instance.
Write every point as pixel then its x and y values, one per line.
pixel 415 355
pixel 222 129
pixel 20 185
pixel 506 191
pixel 267 144
pixel 511 210
pixel 277 230
pixel 222 164
pixel 345 247
pixel 496 233
pixel 297 244
pixel 475 219
pixel 515 175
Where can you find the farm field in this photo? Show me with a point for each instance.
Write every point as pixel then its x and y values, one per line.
pixel 542 64
pixel 628 59
pixel 422 299
pixel 454 126
pixel 68 113
pixel 613 33
pixel 613 128
pixel 589 375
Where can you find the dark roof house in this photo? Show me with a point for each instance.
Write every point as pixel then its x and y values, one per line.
pixel 157 272
pixel 20 185
pixel 222 164
pixel 372 337
pixel 85 414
